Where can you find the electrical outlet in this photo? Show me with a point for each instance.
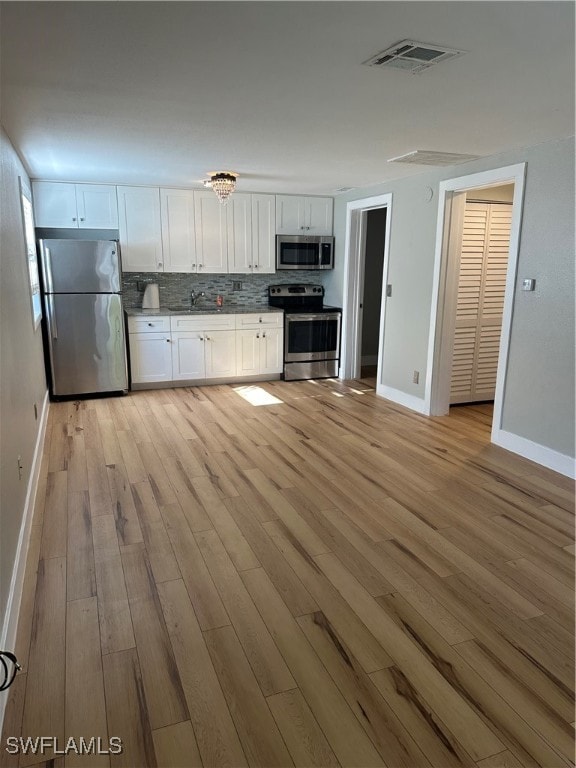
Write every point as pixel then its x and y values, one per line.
pixel 141 285
pixel 20 467
pixel 416 377
pixel 236 285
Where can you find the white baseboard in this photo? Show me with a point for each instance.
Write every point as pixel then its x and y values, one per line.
pixel 369 360
pixel 417 404
pixel 547 457
pixel 10 624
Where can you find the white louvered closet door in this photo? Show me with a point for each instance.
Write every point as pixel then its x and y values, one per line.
pixel 481 286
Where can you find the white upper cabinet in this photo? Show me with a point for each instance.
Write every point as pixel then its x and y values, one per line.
pixel 211 233
pixel 140 229
pixel 178 230
pixel 239 229
pixel 297 215
pixel 97 206
pixel 75 206
pixel 263 234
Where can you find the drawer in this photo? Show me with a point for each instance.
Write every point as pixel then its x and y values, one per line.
pixel 148 324
pixel 266 320
pixel 201 322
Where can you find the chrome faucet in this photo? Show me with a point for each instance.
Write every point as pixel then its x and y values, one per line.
pixel 195 296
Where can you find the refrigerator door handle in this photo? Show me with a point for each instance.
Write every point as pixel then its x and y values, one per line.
pixel 47 262
pixel 52 317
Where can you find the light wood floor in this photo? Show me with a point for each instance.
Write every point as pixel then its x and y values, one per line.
pixel 321 579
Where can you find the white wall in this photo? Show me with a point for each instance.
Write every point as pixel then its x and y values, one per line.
pixel 22 377
pixel 539 397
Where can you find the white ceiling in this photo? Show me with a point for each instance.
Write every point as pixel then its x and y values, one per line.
pixel 160 93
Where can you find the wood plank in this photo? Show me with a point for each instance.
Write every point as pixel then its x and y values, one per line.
pixel 256 728
pixel 175 745
pixel 204 595
pixel 430 732
pixel 503 760
pixel 158 546
pixel 44 705
pixel 357 637
pixel 267 664
pixel 216 735
pixel 521 699
pixel 346 737
pixel 392 740
pixel 293 592
pixel 302 734
pixel 127 523
pixel 126 710
pixel 186 495
pixel 54 533
pixel 85 714
pixel 164 695
pixel 311 542
pixel 115 621
pixel 238 549
pixel 80 571
pixel 462 721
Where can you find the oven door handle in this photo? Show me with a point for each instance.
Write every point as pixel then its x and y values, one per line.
pixel 316 316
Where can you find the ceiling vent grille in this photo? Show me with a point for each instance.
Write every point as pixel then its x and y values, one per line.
pixel 425 157
pixel 412 56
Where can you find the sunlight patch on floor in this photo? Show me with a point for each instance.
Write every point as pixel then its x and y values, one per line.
pixel 257 396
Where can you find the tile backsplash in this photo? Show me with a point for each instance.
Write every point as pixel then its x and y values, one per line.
pixel 176 287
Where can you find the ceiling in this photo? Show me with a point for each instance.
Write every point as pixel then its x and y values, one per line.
pixel 159 93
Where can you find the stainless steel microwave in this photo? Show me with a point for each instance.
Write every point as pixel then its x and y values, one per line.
pixel 304 252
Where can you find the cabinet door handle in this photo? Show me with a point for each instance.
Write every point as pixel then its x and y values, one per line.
pixel 257 335
pixel 249 266
pixel 200 266
pixel 151 325
pixel 168 340
pixel 201 338
pixel 159 263
pixel 264 335
pixel 207 338
pixel 73 219
pixel 81 219
pixel 193 266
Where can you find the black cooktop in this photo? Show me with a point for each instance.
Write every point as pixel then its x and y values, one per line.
pixel 299 297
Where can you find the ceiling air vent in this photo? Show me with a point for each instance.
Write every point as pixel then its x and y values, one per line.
pixel 412 56
pixel 425 157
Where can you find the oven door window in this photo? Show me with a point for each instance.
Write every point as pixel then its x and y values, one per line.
pixel 299 254
pixel 316 339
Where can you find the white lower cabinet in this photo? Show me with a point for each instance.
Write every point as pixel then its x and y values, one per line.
pixel 220 354
pixel 259 344
pixel 194 348
pixel 188 355
pixel 150 357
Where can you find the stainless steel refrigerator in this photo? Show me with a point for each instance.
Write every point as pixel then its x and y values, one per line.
pixel 84 328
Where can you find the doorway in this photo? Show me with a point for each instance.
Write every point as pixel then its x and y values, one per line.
pixel 371 303
pixel 357 224
pixel 473 292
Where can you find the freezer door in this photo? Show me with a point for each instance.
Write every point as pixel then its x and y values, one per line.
pixel 86 343
pixel 80 266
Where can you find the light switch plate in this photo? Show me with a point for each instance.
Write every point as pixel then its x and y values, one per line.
pixel 528 284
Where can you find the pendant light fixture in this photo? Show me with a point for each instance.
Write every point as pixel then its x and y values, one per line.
pixel 223 183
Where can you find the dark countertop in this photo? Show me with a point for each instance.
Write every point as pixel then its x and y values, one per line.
pixel 230 309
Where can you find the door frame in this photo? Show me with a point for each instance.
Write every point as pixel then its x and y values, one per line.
pixel 354 263
pixel 440 342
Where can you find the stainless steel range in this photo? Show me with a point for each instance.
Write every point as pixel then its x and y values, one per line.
pixel 311 331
